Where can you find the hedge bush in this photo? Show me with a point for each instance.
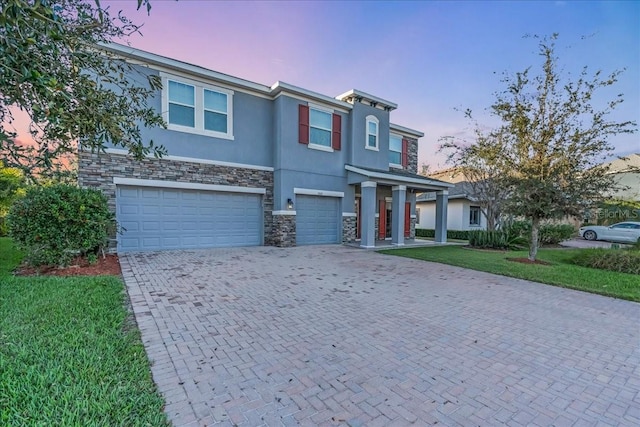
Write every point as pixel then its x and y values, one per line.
pixel 451 234
pixel 52 225
pixel 550 234
pixel 620 260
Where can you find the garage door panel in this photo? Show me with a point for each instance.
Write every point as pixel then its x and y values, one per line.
pixel 155 219
pixel 317 220
pixel 171 195
pixel 128 209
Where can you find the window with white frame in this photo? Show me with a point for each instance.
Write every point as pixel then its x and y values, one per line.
pixel 182 104
pixel 395 150
pixel 198 108
pixel 319 127
pixel 372 133
pixel 215 111
pixel 474 215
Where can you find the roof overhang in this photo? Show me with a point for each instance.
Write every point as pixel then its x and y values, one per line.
pixel 357 95
pixel 405 130
pixel 286 88
pixel 133 54
pixel 450 197
pixel 357 175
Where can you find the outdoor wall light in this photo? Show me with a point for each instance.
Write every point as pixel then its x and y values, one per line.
pixel 289 204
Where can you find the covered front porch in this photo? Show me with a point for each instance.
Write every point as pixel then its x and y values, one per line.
pixel 385 204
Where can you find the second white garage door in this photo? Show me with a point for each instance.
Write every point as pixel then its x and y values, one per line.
pixel 317 220
pixel 165 218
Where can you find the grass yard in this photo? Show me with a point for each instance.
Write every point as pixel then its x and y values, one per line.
pixel 68 353
pixel 560 273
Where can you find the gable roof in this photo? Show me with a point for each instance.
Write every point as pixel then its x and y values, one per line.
pixel 628 163
pixel 461 190
pixel 395 177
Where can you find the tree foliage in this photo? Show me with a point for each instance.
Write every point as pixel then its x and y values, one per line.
pixel 54 224
pixel 12 186
pixel 553 140
pixel 54 70
pixel 482 164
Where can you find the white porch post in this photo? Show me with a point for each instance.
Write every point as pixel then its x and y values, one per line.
pixel 397 217
pixel 368 214
pixel 442 199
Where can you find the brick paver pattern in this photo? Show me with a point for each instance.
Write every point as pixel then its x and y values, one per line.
pixel 331 335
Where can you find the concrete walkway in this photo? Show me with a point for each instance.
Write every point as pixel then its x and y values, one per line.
pixel 332 335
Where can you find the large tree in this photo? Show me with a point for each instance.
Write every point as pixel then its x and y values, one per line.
pixel 72 91
pixel 482 163
pixel 556 138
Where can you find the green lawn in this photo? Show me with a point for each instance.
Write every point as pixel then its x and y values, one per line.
pixel 560 273
pixel 68 353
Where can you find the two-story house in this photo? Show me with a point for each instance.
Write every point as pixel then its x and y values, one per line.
pixel 250 164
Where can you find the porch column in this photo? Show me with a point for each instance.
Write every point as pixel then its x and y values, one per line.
pixel 399 194
pixel 368 214
pixel 442 199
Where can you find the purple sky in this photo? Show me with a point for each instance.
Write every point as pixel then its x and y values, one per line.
pixel 428 57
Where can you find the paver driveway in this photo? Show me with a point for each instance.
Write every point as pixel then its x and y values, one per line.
pixel 332 335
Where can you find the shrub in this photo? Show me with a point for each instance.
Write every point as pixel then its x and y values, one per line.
pixel 54 224
pixel 623 261
pixel 552 234
pixel 497 239
pixel 451 234
pixel 426 232
pixel 549 234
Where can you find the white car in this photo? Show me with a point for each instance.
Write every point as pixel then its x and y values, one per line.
pixel 623 232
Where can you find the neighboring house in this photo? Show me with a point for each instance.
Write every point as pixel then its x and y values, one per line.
pixel 250 164
pixel 452 175
pixel 463 211
pixel 626 173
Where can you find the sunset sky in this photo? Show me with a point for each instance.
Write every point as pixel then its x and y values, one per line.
pixel 428 57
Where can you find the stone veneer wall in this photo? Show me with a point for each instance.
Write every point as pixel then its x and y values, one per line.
pixel 348 229
pixel 97 170
pixel 375 228
pixel 412 229
pixel 412 155
pixel 284 230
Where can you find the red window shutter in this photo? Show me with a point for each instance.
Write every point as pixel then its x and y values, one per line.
pixel 407 219
pixel 336 135
pixel 303 124
pixel 382 220
pixel 405 153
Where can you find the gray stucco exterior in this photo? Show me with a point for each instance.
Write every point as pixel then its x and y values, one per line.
pixel 264 151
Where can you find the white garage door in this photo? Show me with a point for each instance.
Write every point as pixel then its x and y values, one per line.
pixel 165 218
pixel 317 220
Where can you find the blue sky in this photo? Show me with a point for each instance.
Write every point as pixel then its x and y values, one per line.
pixel 428 57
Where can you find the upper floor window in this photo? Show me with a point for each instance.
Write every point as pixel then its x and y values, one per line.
pixel 320 128
pixel 474 215
pixel 182 104
pixel 372 133
pixel 215 111
pixel 395 150
pixel 198 108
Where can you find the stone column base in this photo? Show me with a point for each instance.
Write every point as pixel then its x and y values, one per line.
pixel 284 230
pixel 348 229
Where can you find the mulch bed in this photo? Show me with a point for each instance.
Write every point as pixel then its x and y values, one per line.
pixel 528 261
pixel 104 266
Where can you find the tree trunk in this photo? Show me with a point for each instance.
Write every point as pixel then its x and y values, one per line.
pixel 533 244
